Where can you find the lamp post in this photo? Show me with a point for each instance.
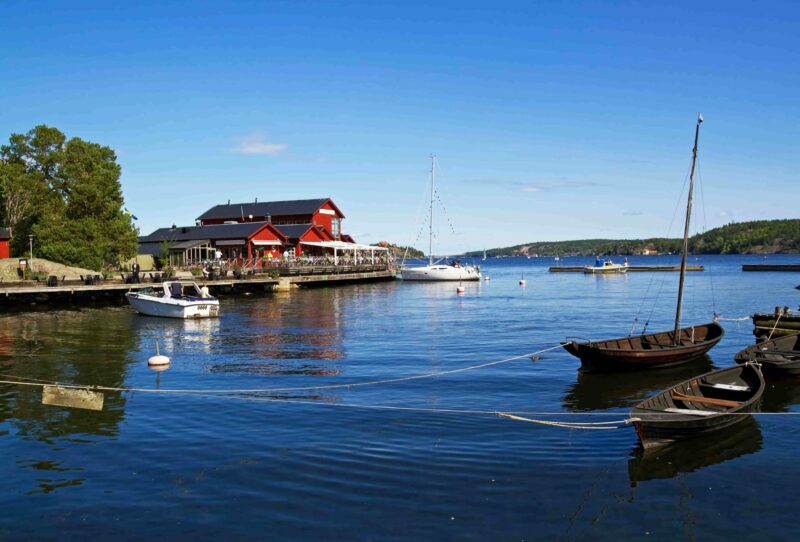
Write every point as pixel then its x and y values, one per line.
pixel 30 239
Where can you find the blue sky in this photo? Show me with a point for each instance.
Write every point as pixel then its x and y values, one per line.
pixel 551 120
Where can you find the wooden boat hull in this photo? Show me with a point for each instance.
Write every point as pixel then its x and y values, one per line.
pixel 657 427
pixel 652 351
pixel 778 357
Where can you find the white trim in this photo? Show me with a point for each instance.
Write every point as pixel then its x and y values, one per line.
pixel 260 243
pixel 327 212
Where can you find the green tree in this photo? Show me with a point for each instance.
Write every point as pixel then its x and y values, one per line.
pixel 76 212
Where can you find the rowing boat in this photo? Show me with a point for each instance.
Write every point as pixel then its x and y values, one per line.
pixel 700 405
pixel 779 356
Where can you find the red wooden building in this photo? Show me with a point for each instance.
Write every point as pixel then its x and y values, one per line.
pixel 191 245
pixel 317 212
pixel 248 231
pixel 5 240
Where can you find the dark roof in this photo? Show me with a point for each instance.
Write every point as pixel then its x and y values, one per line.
pixel 264 208
pixel 293 231
pixel 153 249
pixel 211 232
pixel 5 233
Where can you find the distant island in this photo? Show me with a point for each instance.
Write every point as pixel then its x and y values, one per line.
pixel 399 251
pixel 755 237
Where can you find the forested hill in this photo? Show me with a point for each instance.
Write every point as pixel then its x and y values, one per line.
pixel 756 237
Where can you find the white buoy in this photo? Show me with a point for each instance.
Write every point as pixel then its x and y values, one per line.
pixel 459 289
pixel 522 280
pixel 158 359
pixel 487 278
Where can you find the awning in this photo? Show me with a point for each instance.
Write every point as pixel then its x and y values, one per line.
pixel 190 244
pixel 341 245
pixel 260 243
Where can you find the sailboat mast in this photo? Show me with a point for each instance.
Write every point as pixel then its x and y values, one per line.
pixel 685 248
pixel 430 221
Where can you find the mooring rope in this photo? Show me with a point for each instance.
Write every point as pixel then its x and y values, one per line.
pixel 778 319
pixel 24 381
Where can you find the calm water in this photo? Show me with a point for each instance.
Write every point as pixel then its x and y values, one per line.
pixel 323 464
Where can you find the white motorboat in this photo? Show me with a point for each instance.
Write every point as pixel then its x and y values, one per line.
pixel 436 271
pixel 176 300
pixel 605 266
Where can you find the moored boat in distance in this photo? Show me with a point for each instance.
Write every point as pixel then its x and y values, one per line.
pixel 605 266
pixel 176 300
pixel 778 357
pixel 699 406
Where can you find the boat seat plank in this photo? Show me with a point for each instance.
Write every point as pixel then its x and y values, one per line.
pixel 690 411
pixel 728 387
pixel 676 395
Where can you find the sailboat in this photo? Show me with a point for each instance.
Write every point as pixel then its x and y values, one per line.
pixel 654 350
pixel 436 271
pixel 484 255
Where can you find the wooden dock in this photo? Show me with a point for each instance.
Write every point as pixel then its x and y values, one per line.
pixel 770 267
pixel 631 268
pixel 22 295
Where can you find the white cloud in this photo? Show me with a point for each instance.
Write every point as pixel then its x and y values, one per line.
pixel 724 214
pixel 531 189
pixel 255 144
pixel 632 213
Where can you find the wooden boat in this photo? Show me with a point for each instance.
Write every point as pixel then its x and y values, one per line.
pixel 651 351
pixel 654 350
pixel 778 357
pixel 699 406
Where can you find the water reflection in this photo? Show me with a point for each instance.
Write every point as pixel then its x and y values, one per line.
pixel 781 394
pixel 599 391
pixel 65 346
pixel 741 439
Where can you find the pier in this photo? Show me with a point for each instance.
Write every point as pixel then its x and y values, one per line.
pixel 631 268
pixel 770 267
pixel 19 295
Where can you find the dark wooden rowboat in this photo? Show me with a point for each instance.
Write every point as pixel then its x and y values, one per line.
pixel 780 356
pixel 654 350
pixel 651 351
pixel 699 406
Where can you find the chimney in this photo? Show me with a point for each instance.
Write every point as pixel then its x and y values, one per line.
pixel 229 202
pixel 256 200
pixel 269 219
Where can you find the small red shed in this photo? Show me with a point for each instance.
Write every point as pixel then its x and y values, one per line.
pixel 5 240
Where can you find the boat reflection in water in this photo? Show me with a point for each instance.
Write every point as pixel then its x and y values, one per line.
pixel 690 455
pixel 600 391
pixel 291 335
pixel 780 395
